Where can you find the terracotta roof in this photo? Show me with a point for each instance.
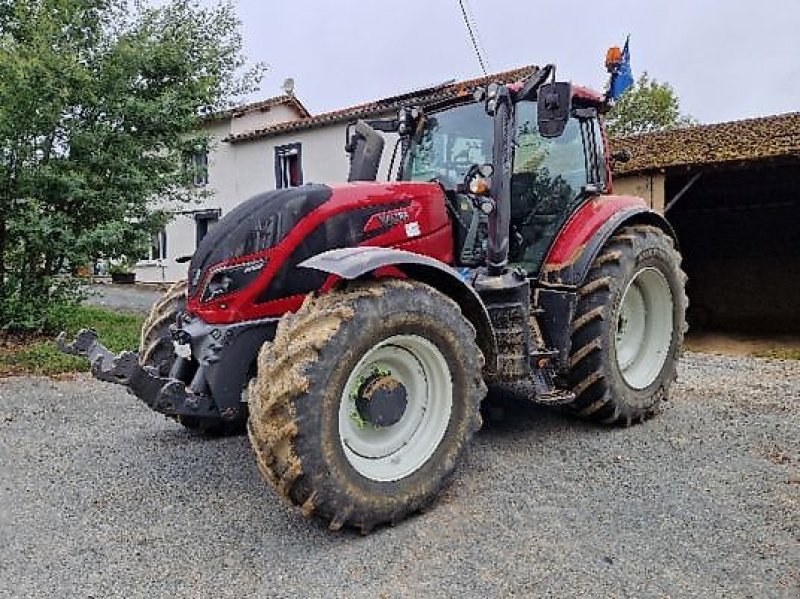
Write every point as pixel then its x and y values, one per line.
pixel 735 141
pixel 371 109
pixel 287 99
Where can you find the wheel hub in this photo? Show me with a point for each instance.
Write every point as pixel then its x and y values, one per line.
pixel 381 400
pixel 395 407
pixel 644 328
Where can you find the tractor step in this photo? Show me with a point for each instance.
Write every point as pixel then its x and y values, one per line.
pixel 556 397
pixel 544 384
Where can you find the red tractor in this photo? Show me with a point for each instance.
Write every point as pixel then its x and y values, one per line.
pixel 359 324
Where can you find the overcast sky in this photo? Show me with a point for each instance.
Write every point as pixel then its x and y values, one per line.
pixel 727 59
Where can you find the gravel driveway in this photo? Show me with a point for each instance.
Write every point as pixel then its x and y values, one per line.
pixel 102 498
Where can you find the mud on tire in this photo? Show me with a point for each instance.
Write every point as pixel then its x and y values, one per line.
pixel 156 350
pixel 634 292
pixel 299 403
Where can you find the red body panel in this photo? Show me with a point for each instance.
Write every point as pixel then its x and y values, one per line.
pixel 424 228
pixel 582 226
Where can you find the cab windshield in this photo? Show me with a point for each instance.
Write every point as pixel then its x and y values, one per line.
pixel 449 143
pixel 547 177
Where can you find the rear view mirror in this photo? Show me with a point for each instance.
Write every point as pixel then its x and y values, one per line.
pixel 555 100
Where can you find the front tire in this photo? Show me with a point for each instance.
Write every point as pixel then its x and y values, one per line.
pixel 315 437
pixel 628 328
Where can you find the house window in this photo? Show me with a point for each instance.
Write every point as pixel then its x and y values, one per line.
pixel 204 221
pixel 196 163
pixel 158 246
pixel 288 166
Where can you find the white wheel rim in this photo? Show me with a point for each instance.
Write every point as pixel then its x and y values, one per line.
pixel 393 452
pixel 644 328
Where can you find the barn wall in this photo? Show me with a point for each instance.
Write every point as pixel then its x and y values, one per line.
pixel 650 187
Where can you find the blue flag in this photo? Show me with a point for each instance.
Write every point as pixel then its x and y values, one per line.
pixel 621 77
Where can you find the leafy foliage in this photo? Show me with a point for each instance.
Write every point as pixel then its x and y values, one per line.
pixel 646 107
pixel 98 99
pixel 39 355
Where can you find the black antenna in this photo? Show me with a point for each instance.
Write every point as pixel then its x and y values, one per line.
pixel 472 36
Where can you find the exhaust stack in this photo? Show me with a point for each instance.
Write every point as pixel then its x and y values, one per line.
pixel 365 147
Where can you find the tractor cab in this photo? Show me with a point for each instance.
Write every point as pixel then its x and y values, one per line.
pixel 550 176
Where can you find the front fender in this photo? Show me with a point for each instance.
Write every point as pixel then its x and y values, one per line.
pixel 580 240
pixel 356 262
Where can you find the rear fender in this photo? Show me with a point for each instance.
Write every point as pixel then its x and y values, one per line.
pixel 581 239
pixel 358 262
pixel 578 243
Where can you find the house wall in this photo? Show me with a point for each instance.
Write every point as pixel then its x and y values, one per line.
pixel 261 118
pixel 181 230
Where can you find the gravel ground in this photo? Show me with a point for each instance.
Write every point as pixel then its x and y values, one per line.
pixel 102 498
pixel 134 299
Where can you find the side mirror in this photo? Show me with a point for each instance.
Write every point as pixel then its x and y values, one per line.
pixel 555 101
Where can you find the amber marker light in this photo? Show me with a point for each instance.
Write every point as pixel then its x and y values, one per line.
pixel 479 186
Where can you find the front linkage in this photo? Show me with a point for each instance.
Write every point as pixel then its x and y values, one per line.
pixel 206 375
pixel 167 395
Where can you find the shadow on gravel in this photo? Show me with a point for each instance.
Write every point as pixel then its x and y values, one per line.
pixel 184 464
pixel 507 410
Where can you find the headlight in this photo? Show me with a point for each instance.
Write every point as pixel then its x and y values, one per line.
pixel 227 280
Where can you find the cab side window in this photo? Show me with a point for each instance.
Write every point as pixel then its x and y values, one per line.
pixel 547 178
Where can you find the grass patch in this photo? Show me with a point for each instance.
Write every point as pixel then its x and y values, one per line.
pixel 27 354
pixel 783 353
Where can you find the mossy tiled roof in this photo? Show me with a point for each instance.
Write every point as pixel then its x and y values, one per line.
pixel 735 141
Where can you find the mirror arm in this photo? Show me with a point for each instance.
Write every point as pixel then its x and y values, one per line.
pixel 528 91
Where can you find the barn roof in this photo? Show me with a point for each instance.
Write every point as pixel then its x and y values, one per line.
pixel 720 143
pixel 378 107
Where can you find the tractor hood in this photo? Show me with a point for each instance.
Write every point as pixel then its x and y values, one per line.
pixel 247 266
pixel 254 226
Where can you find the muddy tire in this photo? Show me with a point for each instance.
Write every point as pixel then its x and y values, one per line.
pixel 628 328
pixel 313 443
pixel 156 351
pixel 155 345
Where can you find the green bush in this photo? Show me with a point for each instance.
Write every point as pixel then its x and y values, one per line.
pixel 41 306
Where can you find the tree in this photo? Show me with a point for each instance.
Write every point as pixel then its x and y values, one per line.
pixel 98 101
pixel 646 107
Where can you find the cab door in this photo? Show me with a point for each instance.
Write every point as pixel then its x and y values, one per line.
pixel 551 178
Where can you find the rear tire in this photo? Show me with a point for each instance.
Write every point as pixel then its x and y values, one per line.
pixel 311 442
pixel 156 351
pixel 628 328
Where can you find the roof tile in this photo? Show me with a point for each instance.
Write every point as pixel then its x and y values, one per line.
pixel 749 139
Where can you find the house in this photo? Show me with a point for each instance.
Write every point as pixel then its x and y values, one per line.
pixel 273 144
pixel 730 192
